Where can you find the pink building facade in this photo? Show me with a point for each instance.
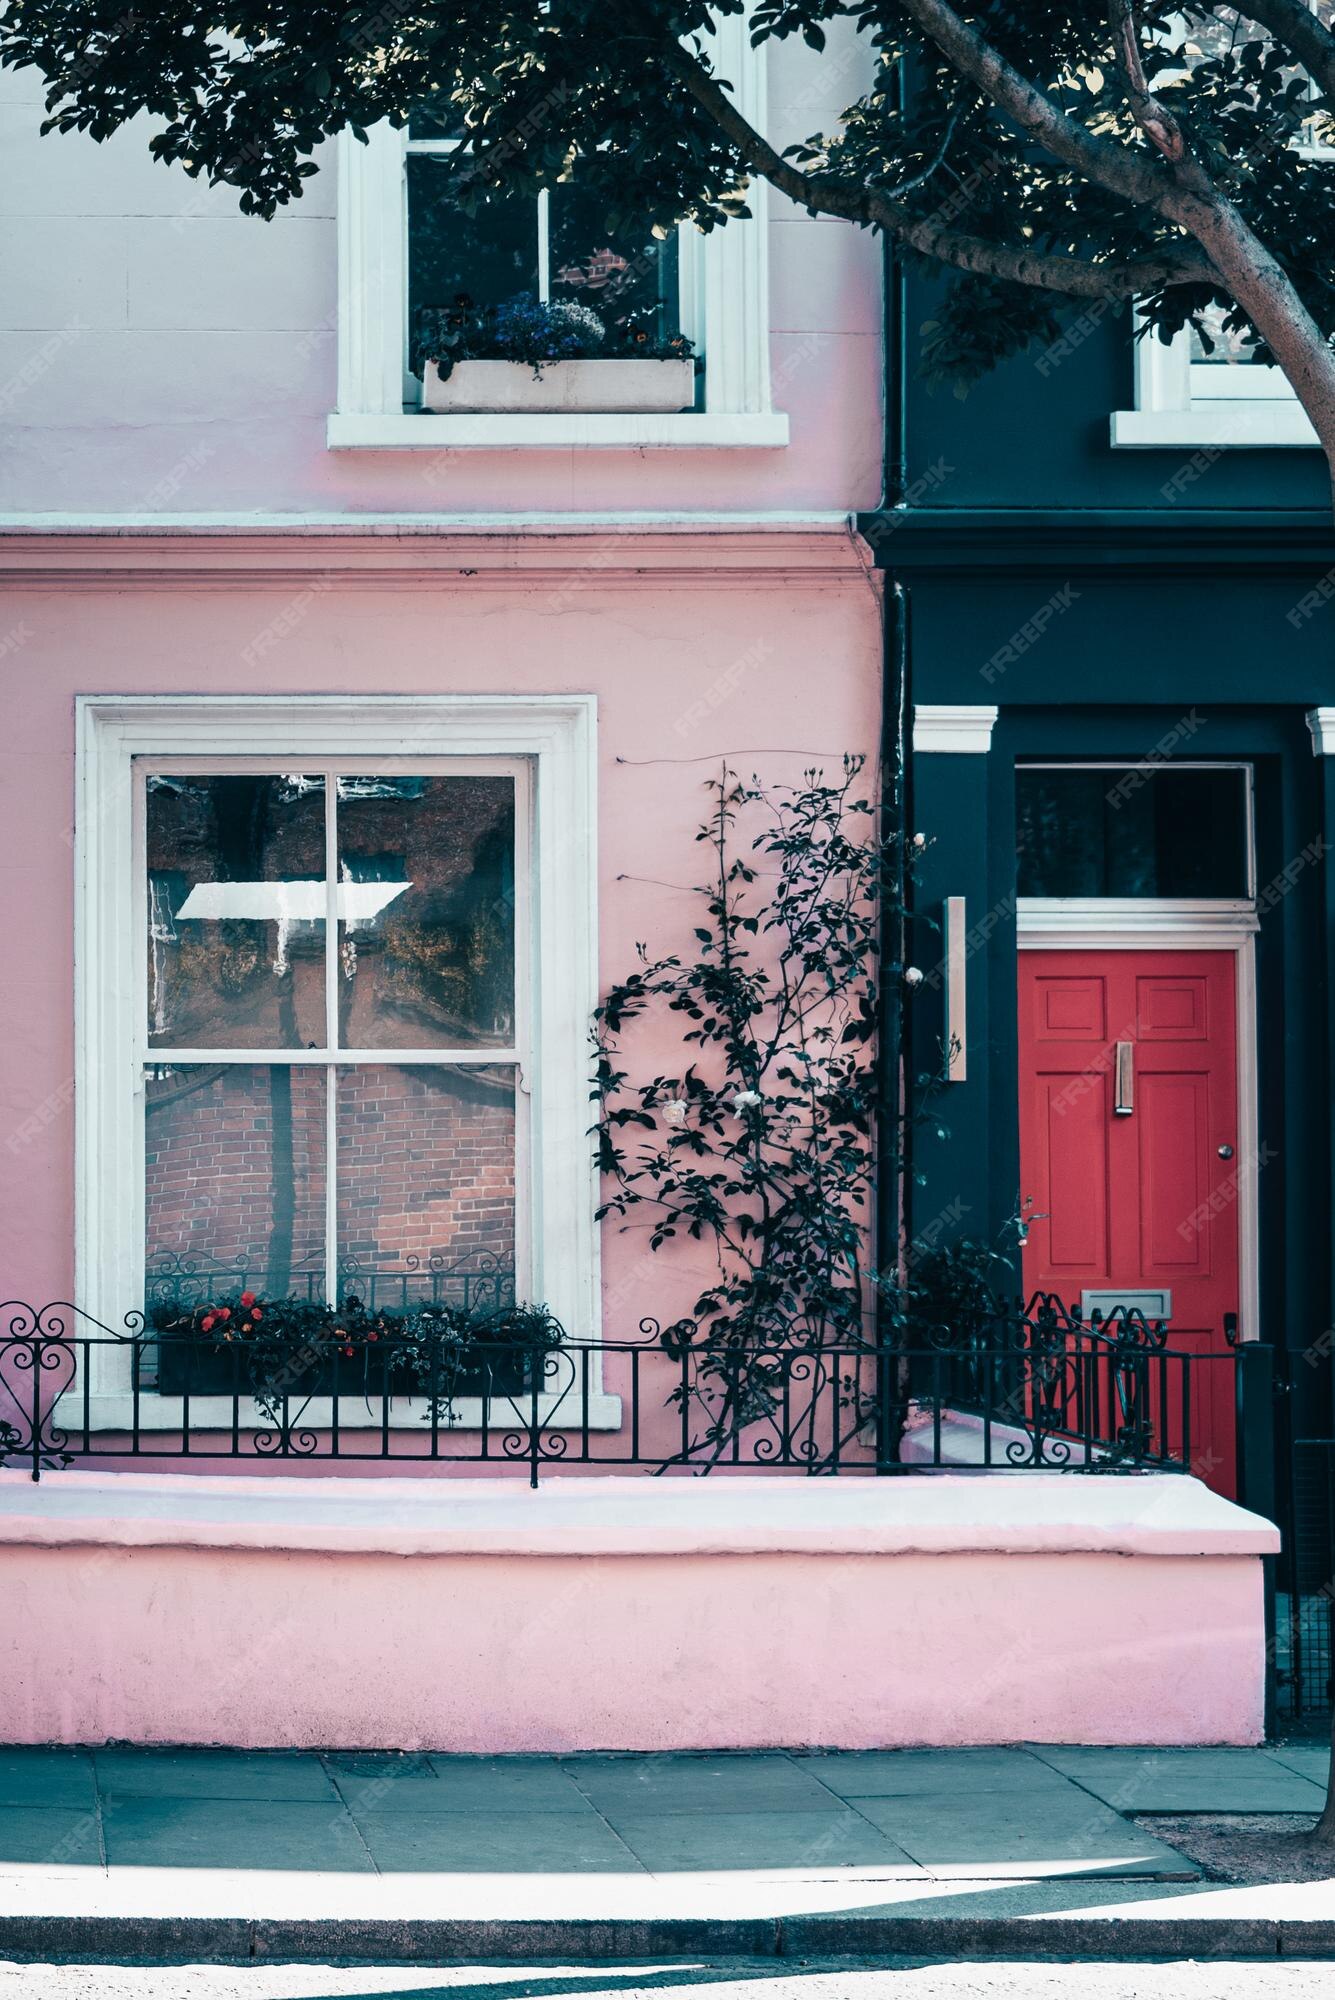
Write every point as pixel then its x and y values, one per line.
pixel 349 754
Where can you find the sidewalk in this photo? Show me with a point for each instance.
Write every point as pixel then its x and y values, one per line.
pixel 276 1854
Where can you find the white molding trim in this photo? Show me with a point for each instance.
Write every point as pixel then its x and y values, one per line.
pixel 958 730
pixel 582 431
pixel 1174 408
pixel 725 311
pixel 572 521
pixel 1215 426
pixel 1108 924
pixel 372 272
pixel 1321 722
pixel 556 734
pixel 1131 923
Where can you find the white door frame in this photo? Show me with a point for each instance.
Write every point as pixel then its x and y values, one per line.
pixel 1109 923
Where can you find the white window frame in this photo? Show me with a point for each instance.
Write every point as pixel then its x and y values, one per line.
pixel 1195 405
pixel 724 298
pixel 118 738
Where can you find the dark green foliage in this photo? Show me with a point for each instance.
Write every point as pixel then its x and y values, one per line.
pixel 247 95
pixel 760 1144
pixel 533 331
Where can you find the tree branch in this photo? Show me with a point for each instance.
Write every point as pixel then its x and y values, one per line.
pixel 1103 161
pixel 1043 271
pixel 1154 119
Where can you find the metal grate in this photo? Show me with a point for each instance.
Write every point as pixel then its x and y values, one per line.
pixel 1305 1611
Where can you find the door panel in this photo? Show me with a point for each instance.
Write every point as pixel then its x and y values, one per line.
pixel 1076 1191
pixel 1140 1199
pixel 1173 1134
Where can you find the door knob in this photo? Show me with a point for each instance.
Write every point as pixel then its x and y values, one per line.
pixel 1226 1152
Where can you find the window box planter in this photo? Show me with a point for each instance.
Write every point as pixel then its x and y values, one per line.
pixel 196 1366
pixel 614 387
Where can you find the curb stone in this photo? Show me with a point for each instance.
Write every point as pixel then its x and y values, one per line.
pixel 416 1941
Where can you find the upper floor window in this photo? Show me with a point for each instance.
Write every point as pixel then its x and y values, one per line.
pixel 1207 388
pixel 556 249
pixel 1204 397
pixel 665 334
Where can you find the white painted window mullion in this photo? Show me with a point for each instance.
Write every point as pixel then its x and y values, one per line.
pixel 544 245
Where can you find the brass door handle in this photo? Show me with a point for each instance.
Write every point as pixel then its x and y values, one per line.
pixel 1124 1081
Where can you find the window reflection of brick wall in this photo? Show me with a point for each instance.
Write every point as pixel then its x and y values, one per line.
pixel 235 1173
pixel 426 1166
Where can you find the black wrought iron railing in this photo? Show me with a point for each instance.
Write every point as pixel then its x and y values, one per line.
pixel 477 1283
pixel 1032 1388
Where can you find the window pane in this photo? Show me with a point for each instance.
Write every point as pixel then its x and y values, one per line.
pixel 1131 831
pixel 426 1184
pixel 490 255
pixel 236 897
pixel 627 275
pixel 426 897
pixel 234 1180
pixel 435 118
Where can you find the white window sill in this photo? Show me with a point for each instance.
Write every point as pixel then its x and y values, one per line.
pixel 559 1412
pixel 579 431
pixel 1231 423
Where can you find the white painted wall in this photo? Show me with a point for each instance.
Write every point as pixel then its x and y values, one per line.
pixel 162 354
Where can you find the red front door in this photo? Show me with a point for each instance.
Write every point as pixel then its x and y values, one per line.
pixel 1129 1168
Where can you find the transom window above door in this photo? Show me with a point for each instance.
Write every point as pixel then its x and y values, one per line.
pixel 1178 832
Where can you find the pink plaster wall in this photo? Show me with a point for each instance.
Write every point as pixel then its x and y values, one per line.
pixel 525 1653
pixel 774 670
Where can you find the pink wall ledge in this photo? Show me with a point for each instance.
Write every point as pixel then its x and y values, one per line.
pixel 628 1613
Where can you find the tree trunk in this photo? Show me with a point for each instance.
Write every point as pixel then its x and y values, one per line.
pixel 1323 1833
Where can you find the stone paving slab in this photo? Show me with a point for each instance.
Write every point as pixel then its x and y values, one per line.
pixel 1177 1781
pixel 996 1834
pixel 805 1843
pixel 214 1774
pixel 47 1778
pixel 230 1833
pixel 873 1774
pixel 475 1785
pixel 520 1844
pixel 670 1784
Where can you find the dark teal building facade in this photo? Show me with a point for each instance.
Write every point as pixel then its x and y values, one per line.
pixel 1054 599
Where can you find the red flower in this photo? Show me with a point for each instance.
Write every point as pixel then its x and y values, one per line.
pixel 247 1298
pixel 207 1321
pixel 224 1312
pixel 255 1313
pixel 349 1351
